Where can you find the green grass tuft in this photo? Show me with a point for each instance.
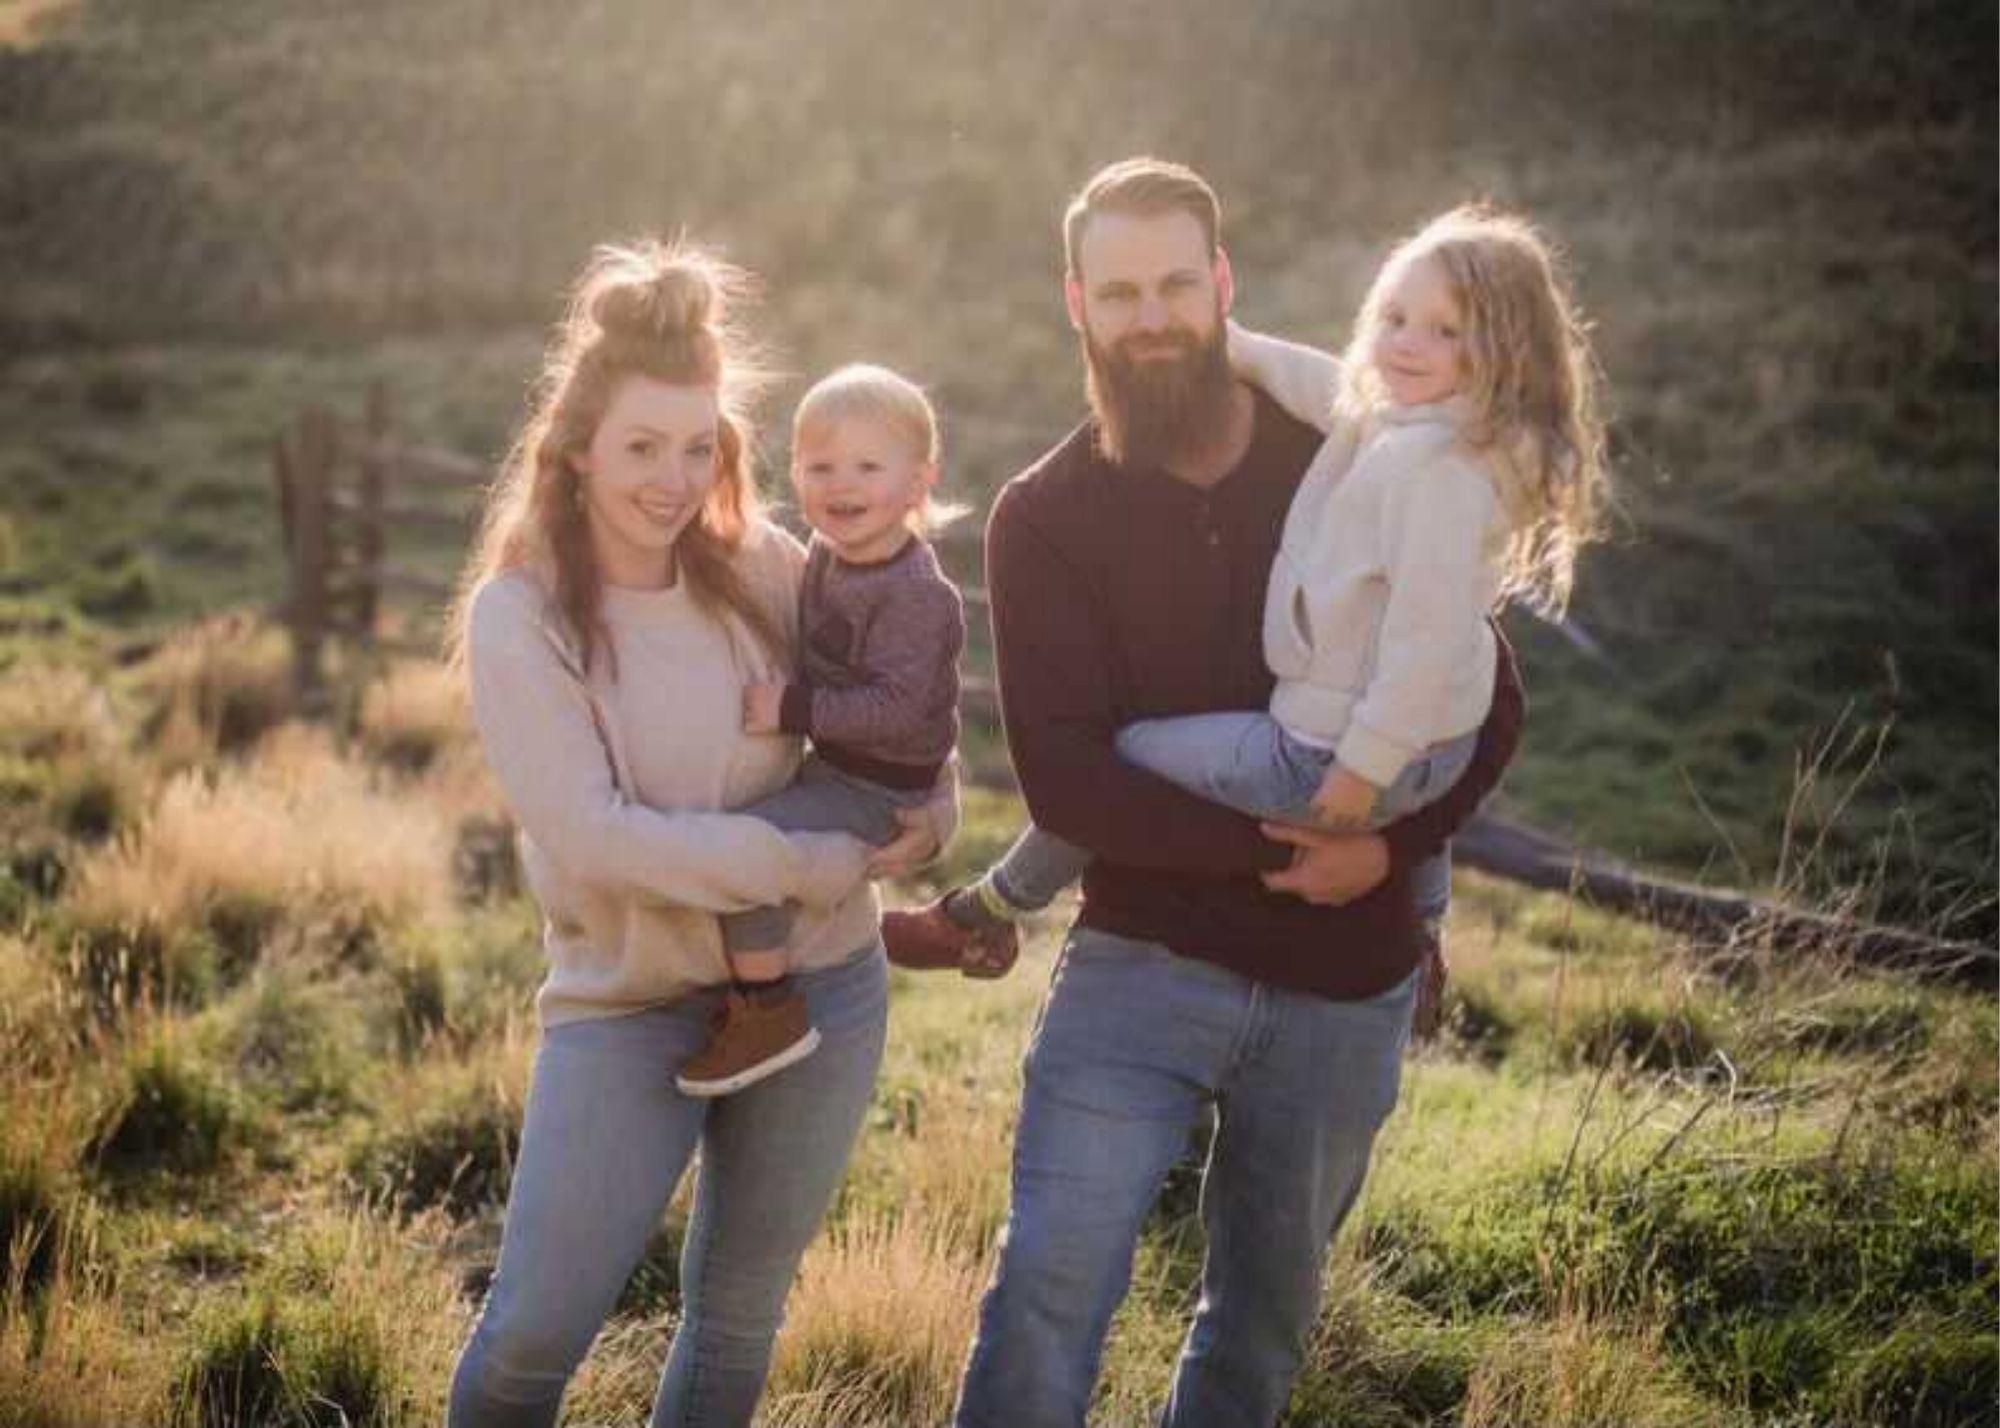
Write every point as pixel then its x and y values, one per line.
pixel 273 1359
pixel 454 1151
pixel 168 1115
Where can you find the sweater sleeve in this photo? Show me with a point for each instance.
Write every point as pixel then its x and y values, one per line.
pixel 1434 618
pixel 1303 380
pixel 541 738
pixel 1425 831
pixel 1061 719
pixel 912 655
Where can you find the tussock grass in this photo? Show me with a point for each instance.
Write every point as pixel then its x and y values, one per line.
pixel 1582 1369
pixel 215 688
pixel 296 1042
pixel 38 1220
pixel 299 839
pixel 168 1113
pixel 39 1024
pixel 346 1331
pixel 70 1359
pixel 1643 1036
pixel 62 753
pixel 881 1315
pixel 448 1137
pixel 412 715
pixel 48 711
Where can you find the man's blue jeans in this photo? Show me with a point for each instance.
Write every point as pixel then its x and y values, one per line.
pixel 606 1139
pixel 1134 1045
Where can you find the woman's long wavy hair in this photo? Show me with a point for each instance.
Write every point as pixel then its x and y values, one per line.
pixel 1531 383
pixel 659 310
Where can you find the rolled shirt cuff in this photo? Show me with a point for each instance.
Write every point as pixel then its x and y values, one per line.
pixel 795 710
pixel 1377 758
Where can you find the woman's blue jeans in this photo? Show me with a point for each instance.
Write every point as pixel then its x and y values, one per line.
pixel 1135 1045
pixel 605 1141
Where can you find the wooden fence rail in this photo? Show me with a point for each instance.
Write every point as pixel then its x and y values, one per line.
pixel 334 482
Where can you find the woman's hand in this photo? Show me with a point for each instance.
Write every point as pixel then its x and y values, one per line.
pixel 1329 868
pixel 926 830
pixel 761 705
pixel 909 850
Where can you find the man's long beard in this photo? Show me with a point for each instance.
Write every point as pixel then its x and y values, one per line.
pixel 1150 412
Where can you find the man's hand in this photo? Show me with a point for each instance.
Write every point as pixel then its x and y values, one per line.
pixel 910 849
pixel 760 707
pixel 1345 798
pixel 1329 868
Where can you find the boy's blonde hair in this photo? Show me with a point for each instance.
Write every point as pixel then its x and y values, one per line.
pixel 1531 383
pixel 862 391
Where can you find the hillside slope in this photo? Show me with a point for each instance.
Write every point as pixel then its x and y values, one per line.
pixel 1782 216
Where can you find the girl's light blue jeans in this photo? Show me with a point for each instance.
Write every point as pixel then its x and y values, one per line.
pixel 1135 1046
pixel 605 1140
pixel 1244 760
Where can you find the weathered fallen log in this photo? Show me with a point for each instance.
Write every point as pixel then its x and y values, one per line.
pixel 1510 850
pixel 1502 848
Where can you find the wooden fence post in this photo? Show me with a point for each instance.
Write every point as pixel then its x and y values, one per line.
pixel 308 474
pixel 368 538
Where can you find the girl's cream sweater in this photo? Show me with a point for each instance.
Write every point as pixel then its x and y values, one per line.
pixel 620 788
pixel 1375 620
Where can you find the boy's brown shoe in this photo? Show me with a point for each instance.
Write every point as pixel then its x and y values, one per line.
pixel 931 940
pixel 749 1039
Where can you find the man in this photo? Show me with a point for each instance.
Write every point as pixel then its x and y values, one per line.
pixel 1265 975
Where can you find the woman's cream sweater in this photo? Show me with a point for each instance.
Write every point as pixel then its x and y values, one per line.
pixel 620 787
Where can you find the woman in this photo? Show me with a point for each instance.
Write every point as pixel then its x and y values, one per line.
pixel 624 592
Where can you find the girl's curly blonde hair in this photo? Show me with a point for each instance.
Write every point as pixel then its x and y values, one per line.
pixel 1530 382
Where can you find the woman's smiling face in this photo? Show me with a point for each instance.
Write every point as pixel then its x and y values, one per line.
pixel 646 472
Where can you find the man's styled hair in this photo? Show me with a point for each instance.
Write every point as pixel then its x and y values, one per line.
pixel 1141 188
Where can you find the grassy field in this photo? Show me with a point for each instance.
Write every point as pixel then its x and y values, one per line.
pixel 265 987
pixel 264 1001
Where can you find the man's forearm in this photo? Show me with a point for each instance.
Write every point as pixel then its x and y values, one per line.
pixel 1061 716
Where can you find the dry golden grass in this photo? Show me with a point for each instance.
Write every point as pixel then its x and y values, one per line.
pixel 48 712
pixel 1583 1370
pixel 31 1008
pixel 953 1175
pixel 73 1359
pixel 24 22
pixel 215 688
pixel 390 1292
pixel 298 830
pixel 881 1316
pixel 414 714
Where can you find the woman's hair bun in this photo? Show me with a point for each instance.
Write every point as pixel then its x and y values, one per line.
pixel 654 295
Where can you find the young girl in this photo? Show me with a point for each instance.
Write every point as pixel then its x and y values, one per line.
pixel 1464 468
pixel 880 633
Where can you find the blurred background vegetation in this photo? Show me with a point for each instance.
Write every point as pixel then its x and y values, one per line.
pixel 1781 215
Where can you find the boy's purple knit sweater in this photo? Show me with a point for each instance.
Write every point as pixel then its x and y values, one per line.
pixel 877 690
